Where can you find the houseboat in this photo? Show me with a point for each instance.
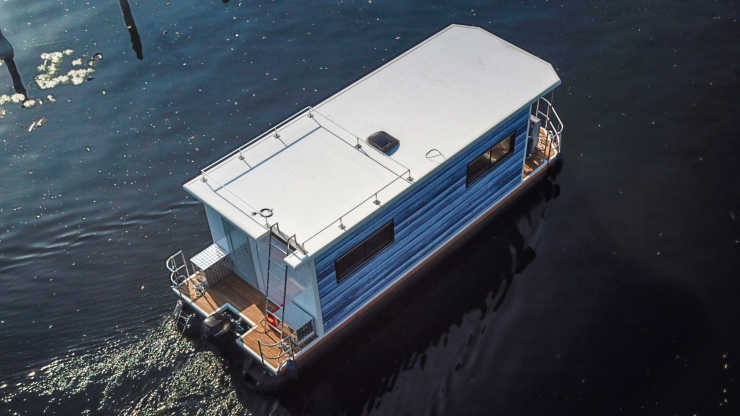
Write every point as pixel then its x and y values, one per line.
pixel 319 217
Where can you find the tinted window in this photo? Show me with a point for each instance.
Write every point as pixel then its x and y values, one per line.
pixel 360 254
pixel 489 159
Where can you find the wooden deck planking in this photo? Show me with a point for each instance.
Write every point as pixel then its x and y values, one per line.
pixel 249 302
pixel 539 157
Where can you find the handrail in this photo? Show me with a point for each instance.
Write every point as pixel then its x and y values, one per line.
pixel 551 107
pixel 284 352
pixel 377 202
pixel 405 175
pixel 256 139
pixel 553 126
pixel 357 145
pixel 171 265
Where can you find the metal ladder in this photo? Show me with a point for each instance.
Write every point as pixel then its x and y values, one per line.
pixel 279 246
pixel 274 248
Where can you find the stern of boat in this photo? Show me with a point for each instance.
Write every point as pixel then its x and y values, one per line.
pixel 271 334
pixel 545 137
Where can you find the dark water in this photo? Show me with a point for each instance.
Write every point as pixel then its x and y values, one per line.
pixel 611 289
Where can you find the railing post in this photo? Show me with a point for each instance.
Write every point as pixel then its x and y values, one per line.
pixel 285 295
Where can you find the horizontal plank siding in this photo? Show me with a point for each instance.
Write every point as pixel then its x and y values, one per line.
pixel 431 211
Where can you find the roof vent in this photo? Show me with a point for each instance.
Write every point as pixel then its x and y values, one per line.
pixel 383 142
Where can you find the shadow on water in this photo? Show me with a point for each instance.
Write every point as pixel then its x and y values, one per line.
pixel 128 18
pixel 7 55
pixel 445 308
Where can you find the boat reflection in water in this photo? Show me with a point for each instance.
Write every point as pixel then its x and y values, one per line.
pixel 437 324
pixel 7 55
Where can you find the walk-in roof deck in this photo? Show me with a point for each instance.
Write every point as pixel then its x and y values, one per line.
pixel 435 99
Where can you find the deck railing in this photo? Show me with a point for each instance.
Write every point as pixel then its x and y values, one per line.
pixel 286 347
pixel 553 125
pixel 175 269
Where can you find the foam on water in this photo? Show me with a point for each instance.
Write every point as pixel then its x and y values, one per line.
pixel 160 372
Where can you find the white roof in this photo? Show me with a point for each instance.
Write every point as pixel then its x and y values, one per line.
pixel 436 98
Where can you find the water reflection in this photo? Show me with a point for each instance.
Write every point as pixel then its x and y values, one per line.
pixel 442 323
pixel 7 55
pixel 128 18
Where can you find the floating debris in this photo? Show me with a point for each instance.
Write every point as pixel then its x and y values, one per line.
pixel 36 124
pixel 51 74
pixel 15 98
pixel 50 70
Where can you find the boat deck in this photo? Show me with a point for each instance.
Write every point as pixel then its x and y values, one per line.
pixel 250 304
pixel 539 156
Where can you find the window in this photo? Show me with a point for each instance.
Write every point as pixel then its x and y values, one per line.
pixel 363 252
pixel 489 159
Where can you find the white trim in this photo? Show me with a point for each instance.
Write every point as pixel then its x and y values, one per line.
pixel 318 318
pixel 256 262
pixel 526 139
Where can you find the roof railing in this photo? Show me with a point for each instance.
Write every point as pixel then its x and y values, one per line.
pixel 272 130
pixel 357 140
pixel 376 201
pixel 405 175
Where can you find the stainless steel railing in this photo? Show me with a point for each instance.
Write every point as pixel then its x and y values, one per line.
pixel 286 347
pixel 405 175
pixel 175 269
pixel 272 130
pixel 553 125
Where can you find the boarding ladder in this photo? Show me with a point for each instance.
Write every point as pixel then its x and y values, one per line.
pixel 278 247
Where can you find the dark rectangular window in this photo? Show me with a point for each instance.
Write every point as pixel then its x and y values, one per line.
pixel 360 254
pixel 489 159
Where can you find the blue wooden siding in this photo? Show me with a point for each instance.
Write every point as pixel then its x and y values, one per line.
pixel 431 211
